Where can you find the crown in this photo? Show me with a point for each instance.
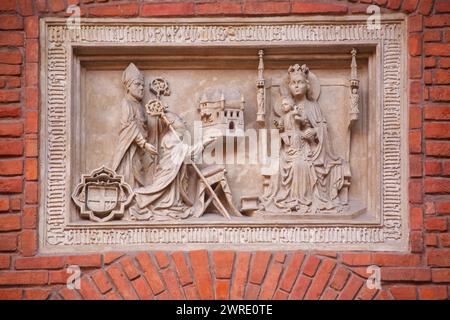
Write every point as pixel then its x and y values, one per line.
pixel 296 68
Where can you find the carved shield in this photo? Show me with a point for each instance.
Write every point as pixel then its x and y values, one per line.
pixel 102 199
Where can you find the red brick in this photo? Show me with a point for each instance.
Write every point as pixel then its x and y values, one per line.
pixel 301 286
pixel 9 70
pixel 5 262
pixel 415 165
pixel 432 36
pixel 415 92
pixel 162 259
pixel 223 263
pixel 394 4
pixel 200 268
pixel 311 266
pixel 218 8
pixel 167 9
pixel 182 268
pixel 9 222
pixel 142 289
pixel 171 282
pixel 69 294
pixel 396 260
pixel 240 278
pixel 405 274
pixel 59 277
pixel 415 23
pixel 437 21
pixel 37 294
pixel 415 69
pixel 10 111
pixel 31 147
pixel 416 241
pixel 329 294
pixel 440 112
pixel 11 129
pixel 437 185
pixel 436 224
pixel 409 5
pixel 222 289
pixel 271 281
pixel 57 5
pixel 8 242
pixel 25 7
pixel 87 261
pixel 150 272
pixel 28 243
pixel 340 278
pixel 13 82
pixel 101 280
pixel 438 148
pixel 88 291
pixel 4 204
pixel 415 44
pixel 404 292
pixel 439 257
pixel 443 207
pixel 440 275
pixel 121 282
pixel 292 271
pixel 32 50
pixel 31 193
pixel 16 203
pixel 259 266
pixel 31 169
pixel 444 62
pixel 8 5
pixel 11 167
pixel 441 77
pixel 23 278
pixel 318 8
pixel 437 49
pixel 351 289
pixel 11 185
pixel 356 259
pixel 320 280
pixel 191 292
pixel 9 96
pixel 444 240
pixel 11 294
pixel 130 268
pixel 31 97
pixel 431 240
pixel 39 263
pixel 433 293
pixel 11 22
pixel 121 10
pixel 11 38
pixel 415 191
pixel 111 257
pixel 416 216
pixel 32 27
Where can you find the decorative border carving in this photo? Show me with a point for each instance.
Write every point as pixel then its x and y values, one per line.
pixel 56 45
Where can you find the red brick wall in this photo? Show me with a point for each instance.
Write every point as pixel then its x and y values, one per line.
pixel 422 274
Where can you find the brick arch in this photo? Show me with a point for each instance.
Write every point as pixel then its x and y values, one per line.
pixel 224 275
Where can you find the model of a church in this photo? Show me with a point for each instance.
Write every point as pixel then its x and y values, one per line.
pixel 222 112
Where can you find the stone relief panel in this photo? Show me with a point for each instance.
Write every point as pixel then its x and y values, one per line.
pixel 250 134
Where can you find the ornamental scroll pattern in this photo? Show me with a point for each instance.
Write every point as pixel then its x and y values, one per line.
pixel 56 195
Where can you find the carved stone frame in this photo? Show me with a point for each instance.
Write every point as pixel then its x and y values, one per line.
pixel 58 87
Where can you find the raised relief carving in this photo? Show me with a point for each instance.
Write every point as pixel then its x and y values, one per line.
pixel 151 186
pixel 222 112
pixel 102 195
